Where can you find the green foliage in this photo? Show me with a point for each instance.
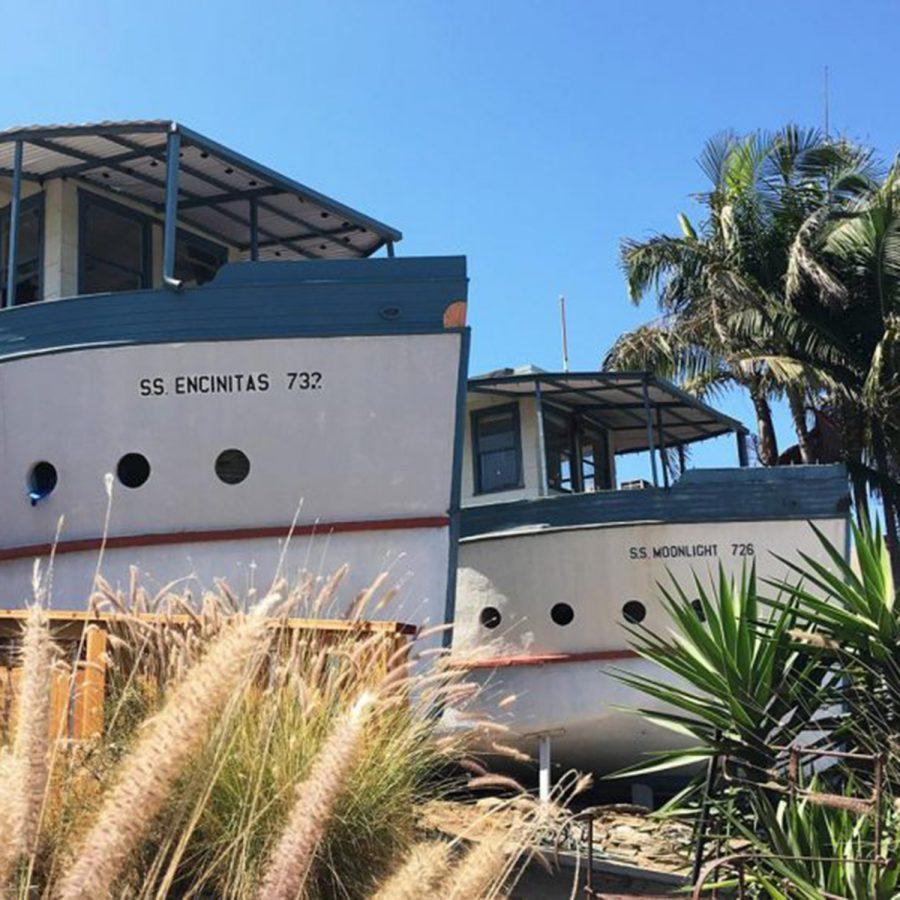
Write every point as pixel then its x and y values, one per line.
pixel 788 287
pixel 816 849
pixel 816 665
pixel 739 685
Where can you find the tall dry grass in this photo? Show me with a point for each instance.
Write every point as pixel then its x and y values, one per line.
pixel 241 760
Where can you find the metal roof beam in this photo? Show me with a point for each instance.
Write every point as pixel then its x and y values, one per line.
pixel 337 232
pixel 147 179
pixel 229 197
pixel 682 419
pixel 586 392
pixel 385 232
pixel 29 134
pixel 224 186
pixel 26 176
pixel 156 208
pixel 99 162
pixel 726 429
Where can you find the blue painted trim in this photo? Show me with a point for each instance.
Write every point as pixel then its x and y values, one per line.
pixel 250 301
pixel 701 495
pixel 13 236
pixel 455 511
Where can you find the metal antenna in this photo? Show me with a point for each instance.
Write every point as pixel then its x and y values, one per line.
pixel 827 132
pixel 565 342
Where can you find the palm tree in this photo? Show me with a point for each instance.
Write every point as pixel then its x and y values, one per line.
pixel 840 322
pixel 764 190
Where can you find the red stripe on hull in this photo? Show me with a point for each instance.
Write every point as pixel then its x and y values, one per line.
pixel 229 534
pixel 545 659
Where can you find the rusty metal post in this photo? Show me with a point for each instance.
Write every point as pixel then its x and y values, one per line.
pixel 702 824
pixel 589 882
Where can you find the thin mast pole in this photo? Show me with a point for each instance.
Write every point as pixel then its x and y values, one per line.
pixel 565 341
pixel 14 225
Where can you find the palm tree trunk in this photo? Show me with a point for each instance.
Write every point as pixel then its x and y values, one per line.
pixel 798 417
pixel 765 427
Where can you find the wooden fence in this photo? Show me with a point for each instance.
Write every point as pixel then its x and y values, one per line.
pixel 77 703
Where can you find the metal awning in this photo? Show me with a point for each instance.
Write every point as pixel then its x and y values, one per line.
pixel 220 193
pixel 644 411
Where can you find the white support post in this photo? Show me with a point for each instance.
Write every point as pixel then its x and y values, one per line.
pixel 544 771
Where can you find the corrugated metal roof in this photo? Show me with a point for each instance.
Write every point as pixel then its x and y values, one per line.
pixel 616 400
pixel 216 186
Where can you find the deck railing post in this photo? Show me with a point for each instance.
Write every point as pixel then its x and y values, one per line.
pixel 742 449
pixel 15 202
pixel 254 230
pixel 651 443
pixel 542 449
pixel 173 151
pixel 663 457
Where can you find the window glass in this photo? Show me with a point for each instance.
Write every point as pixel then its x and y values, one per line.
pixel 594 459
pixel 29 252
pixel 114 242
pixel 196 259
pixel 498 455
pixel 577 453
pixel 559 443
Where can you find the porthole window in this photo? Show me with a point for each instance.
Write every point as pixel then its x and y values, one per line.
pixel 232 466
pixel 41 481
pixel 634 612
pixel 133 469
pixel 490 617
pixel 562 613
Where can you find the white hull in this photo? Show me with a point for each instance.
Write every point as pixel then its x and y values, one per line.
pixel 562 675
pixel 339 459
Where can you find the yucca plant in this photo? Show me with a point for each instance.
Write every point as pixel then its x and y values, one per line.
pixel 855 627
pixel 816 663
pixel 740 686
pixel 799 849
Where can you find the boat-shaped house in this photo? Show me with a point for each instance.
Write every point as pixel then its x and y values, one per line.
pixel 199 356
pixel 558 555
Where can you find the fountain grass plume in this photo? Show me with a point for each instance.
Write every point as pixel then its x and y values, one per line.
pixel 167 743
pixel 292 857
pixel 482 871
pixel 32 742
pixel 420 873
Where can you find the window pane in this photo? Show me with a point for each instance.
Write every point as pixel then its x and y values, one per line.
pixel 558 436
pixel 197 260
pixel 28 254
pixel 499 469
pixel 100 278
pixel 113 237
pixel 499 465
pixel 496 431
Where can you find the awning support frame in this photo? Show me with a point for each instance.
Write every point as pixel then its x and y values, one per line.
pixel 170 227
pixel 651 443
pixel 15 204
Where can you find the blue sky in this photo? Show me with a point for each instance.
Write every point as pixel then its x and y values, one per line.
pixel 530 137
